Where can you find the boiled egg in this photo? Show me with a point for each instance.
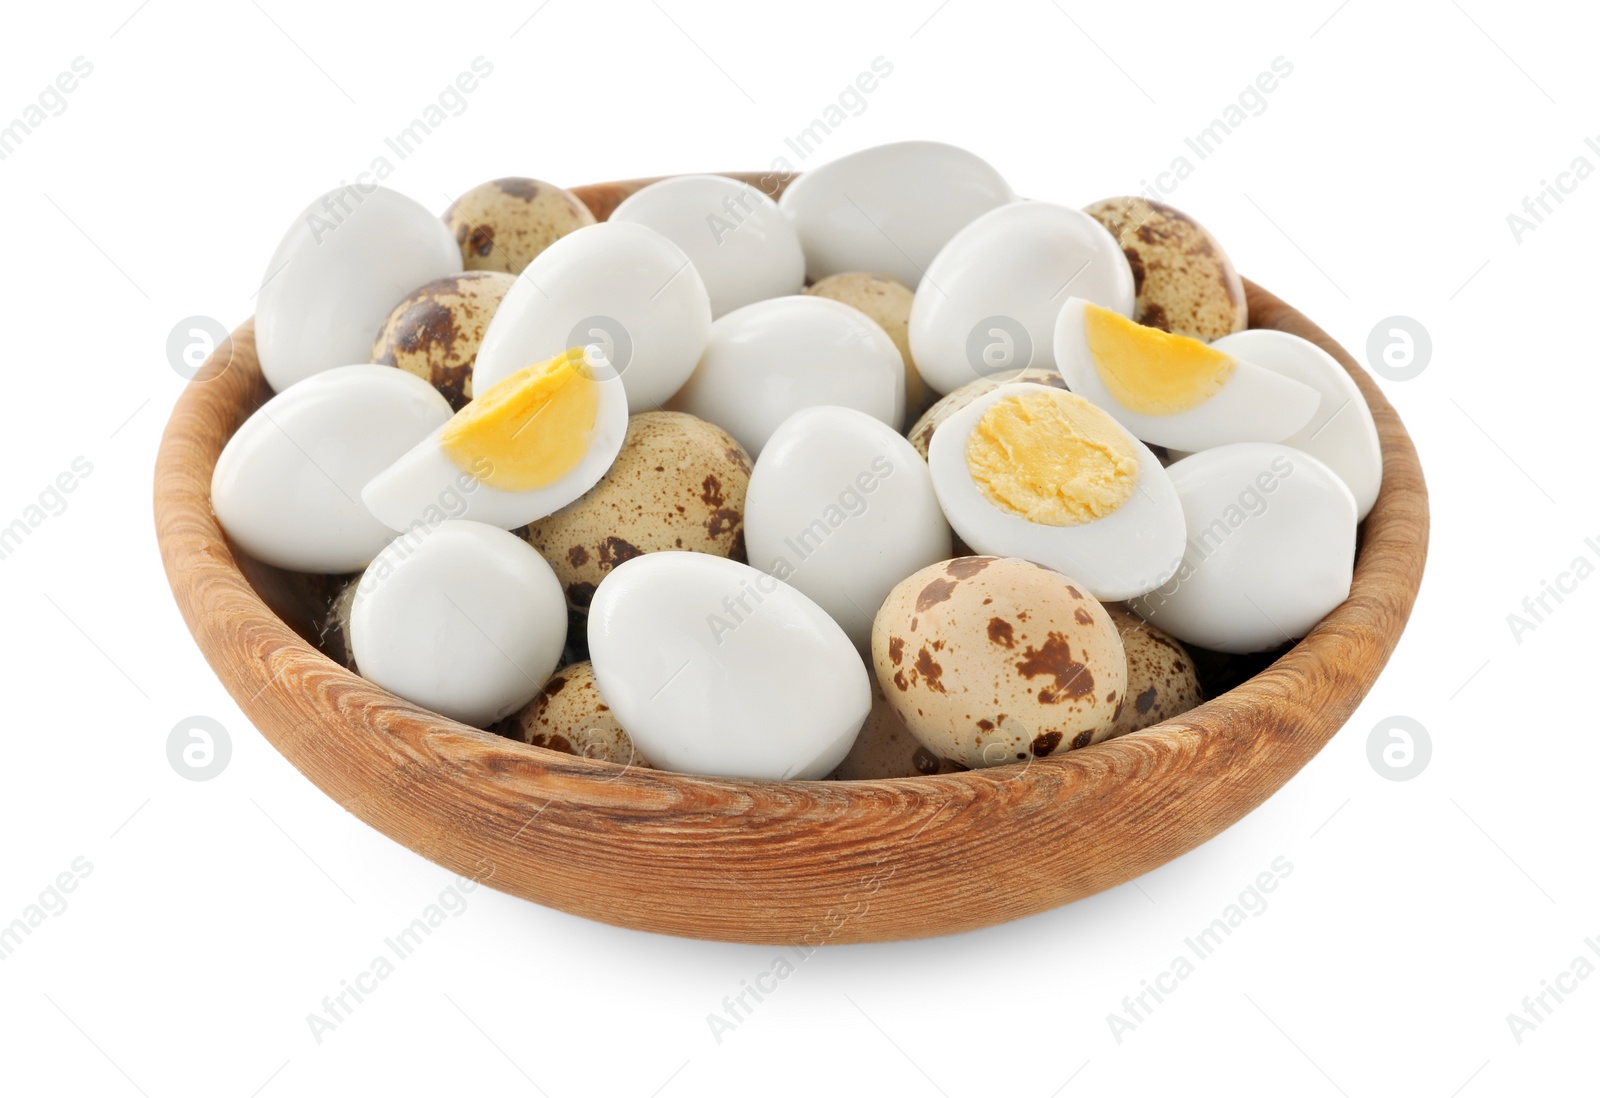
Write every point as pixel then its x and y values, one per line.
pixel 1037 472
pixel 841 507
pixel 989 302
pixel 461 618
pixel 1170 390
pixel 340 268
pixel 622 288
pixel 1342 433
pixel 766 361
pixel 287 486
pixel 1270 548
pixel 716 668
pixel 889 208
pixel 523 448
pixel 741 243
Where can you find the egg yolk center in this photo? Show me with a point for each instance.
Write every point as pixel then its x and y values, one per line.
pixel 1052 458
pixel 1151 372
pixel 529 430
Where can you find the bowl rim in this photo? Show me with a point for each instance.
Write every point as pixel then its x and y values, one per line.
pixel 795 863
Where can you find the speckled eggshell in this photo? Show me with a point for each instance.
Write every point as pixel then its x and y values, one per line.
pixel 888 302
pixel 570 716
pixel 1183 280
pixel 921 432
pixel 1162 680
pixel 885 748
pixel 678 483
pixel 501 225
pixel 434 333
pixel 991 660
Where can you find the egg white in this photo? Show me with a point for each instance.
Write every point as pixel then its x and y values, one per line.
pixel 424 486
pixel 1254 405
pixel 1134 549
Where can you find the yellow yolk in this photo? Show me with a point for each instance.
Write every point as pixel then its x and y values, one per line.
pixel 1151 372
pixel 528 430
pixel 1052 458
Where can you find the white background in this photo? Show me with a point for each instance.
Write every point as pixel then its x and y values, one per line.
pixel 1377 182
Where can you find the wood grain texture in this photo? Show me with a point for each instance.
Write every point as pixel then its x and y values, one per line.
pixel 771 862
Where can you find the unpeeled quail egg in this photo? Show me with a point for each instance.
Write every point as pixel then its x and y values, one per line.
pixel 737 238
pixel 339 269
pixel 990 299
pixel 677 483
pixel 461 618
pixel 569 715
pixel 715 668
pixel 504 224
pixel 435 332
pixel 889 208
pixel 1162 680
pixel 1172 390
pixel 842 509
pixel 1270 550
pixel 287 486
pixel 766 361
pixel 885 748
pixel 991 660
pixel 1037 472
pixel 1184 281
pixel 622 288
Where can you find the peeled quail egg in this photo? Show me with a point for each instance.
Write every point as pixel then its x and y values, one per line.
pixel 737 238
pixel 1341 433
pixel 677 483
pixel 1032 471
pixel 435 332
pixel 1270 550
pixel 524 448
pixel 889 208
pixel 888 303
pixel 766 361
pixel 842 508
pixel 622 288
pixel 287 486
pixel 716 668
pixel 990 299
pixel 339 269
pixel 1183 280
pixel 503 225
pixel 569 715
pixel 991 660
pixel 1172 390
pixel 461 618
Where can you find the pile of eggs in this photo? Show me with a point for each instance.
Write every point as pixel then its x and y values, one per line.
pixel 900 474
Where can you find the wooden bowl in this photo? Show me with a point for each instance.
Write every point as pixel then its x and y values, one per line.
pixel 758 861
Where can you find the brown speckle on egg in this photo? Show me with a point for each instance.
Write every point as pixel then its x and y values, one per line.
pixel 674 485
pixel 570 716
pixel 1162 680
pixel 1005 664
pixel 503 224
pixel 1183 280
pixel 885 748
pixel 435 332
